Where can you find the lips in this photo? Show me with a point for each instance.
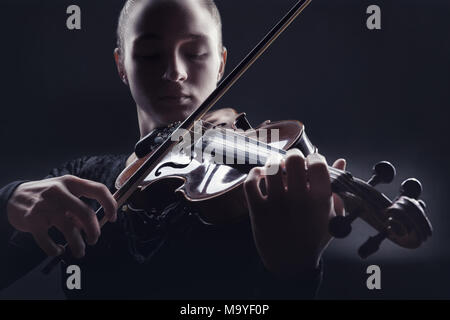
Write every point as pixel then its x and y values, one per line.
pixel 176 100
pixel 175 97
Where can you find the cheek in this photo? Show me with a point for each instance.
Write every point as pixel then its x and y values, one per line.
pixel 138 71
pixel 205 77
pixel 140 84
pixel 141 77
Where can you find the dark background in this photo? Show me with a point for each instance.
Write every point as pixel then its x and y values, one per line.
pixel 363 95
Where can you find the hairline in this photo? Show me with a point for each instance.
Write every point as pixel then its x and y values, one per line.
pixel 130 4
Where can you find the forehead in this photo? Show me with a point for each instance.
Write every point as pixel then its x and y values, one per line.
pixel 170 20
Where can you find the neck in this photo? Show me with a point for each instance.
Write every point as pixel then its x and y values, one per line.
pixel 146 122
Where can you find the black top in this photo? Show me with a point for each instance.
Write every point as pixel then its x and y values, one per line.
pixel 145 258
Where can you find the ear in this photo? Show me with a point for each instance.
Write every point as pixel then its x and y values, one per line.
pixel 120 67
pixel 223 62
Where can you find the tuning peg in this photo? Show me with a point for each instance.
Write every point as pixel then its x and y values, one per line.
pixel 340 226
pixel 411 188
pixel 383 172
pixel 372 245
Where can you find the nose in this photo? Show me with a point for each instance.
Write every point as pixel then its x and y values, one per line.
pixel 175 70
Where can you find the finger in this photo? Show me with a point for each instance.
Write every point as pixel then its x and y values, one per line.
pixel 318 177
pixel 38 220
pixel 253 193
pixel 340 164
pixel 337 201
pixel 76 209
pixel 73 238
pixel 84 218
pixel 274 179
pixel 46 243
pixel 338 205
pixel 94 190
pixel 296 174
pixel 73 219
pixel 260 215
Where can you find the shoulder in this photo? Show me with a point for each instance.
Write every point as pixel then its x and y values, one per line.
pixel 100 168
pixel 102 161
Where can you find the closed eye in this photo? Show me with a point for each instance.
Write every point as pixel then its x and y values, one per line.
pixel 197 55
pixel 149 56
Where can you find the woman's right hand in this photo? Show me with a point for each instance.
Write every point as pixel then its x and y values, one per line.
pixel 37 206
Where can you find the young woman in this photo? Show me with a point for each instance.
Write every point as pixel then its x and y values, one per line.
pixel 170 55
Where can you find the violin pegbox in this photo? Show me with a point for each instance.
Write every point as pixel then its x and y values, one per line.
pixel 403 220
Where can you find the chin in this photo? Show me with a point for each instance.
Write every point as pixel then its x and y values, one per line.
pixel 172 117
pixel 172 114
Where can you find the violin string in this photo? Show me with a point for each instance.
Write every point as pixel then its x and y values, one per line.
pixel 237 150
pixel 265 147
pixel 237 134
pixel 338 177
pixel 246 138
pixel 261 148
pixel 223 130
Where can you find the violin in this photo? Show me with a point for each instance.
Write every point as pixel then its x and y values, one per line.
pixel 216 187
pixel 168 158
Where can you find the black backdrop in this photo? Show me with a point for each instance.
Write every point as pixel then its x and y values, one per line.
pixel 363 95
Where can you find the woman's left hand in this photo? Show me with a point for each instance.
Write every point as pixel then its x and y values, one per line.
pixel 290 221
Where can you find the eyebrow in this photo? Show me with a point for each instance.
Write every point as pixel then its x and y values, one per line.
pixel 153 36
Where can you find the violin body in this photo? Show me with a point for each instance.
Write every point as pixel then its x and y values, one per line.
pixel 214 188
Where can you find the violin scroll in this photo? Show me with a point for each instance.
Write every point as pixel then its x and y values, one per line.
pixel 403 220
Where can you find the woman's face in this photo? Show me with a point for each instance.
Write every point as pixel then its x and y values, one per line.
pixel 171 59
